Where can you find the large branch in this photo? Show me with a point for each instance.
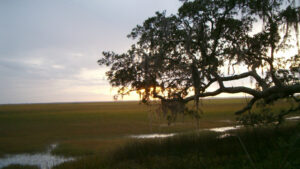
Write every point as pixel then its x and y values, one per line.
pixel 232 90
pixel 270 94
pixel 275 92
pixel 236 77
pixel 260 81
pixel 253 74
pixel 248 107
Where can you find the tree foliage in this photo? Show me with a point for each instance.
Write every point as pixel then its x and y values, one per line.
pixel 181 57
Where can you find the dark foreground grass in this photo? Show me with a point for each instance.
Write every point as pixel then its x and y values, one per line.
pixel 267 148
pixel 16 166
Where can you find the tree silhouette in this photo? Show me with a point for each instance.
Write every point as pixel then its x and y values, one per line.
pixel 178 58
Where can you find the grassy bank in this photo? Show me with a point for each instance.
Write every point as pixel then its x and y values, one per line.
pixel 268 148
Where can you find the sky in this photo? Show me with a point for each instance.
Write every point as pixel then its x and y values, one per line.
pixel 49 48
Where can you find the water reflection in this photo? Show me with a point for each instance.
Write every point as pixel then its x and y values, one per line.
pixel 293 118
pixel 142 136
pixel 224 129
pixel 148 136
pixel 42 160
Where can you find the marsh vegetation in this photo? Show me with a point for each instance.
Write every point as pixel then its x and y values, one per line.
pixel 98 135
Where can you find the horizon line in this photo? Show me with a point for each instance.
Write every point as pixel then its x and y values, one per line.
pixel 78 102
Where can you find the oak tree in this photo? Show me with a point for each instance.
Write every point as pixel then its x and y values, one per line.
pixel 183 57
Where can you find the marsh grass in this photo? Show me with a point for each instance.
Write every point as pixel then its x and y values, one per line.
pixel 87 128
pixel 267 147
pixel 92 131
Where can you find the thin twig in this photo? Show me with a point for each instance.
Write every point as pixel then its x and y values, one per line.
pixel 247 153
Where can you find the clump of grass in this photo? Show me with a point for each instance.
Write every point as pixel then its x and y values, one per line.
pixel 16 166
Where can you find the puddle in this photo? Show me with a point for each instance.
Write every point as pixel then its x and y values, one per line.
pixel 224 135
pixel 293 118
pixel 224 129
pixel 149 136
pixel 42 160
pixel 142 136
pixel 217 129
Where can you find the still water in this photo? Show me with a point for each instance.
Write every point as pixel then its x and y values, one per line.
pixel 153 135
pixel 148 136
pixel 42 160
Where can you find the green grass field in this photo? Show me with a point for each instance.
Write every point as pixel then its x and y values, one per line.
pixel 87 128
pixel 95 129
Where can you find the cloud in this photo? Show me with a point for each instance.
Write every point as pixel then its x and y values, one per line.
pixel 49 49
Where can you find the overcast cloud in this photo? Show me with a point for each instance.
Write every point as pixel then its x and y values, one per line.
pixel 49 49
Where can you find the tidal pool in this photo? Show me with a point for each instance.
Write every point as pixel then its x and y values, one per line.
pixel 42 160
pixel 141 136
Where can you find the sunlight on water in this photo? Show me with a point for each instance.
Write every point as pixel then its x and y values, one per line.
pixel 148 136
pixel 224 135
pixel 42 160
pixel 141 136
pixel 224 129
pixel 293 118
